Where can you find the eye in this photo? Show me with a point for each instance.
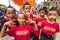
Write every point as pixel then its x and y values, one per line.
pixel 55 14
pixel 49 14
pixel 27 8
pixel 10 12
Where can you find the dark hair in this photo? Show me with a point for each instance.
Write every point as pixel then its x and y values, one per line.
pixel 53 9
pixel 10 7
pixel 44 9
pixel 16 21
pixel 26 4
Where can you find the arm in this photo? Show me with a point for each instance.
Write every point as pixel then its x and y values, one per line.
pixel 40 34
pixel 3 31
pixel 4 28
pixel 35 27
pixel 57 32
pixel 55 36
pixel 39 24
pixel 40 30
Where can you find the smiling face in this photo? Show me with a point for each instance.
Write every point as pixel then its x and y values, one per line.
pixel 52 15
pixel 21 19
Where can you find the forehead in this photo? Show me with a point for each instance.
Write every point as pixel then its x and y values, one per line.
pixel 9 9
pixel 27 6
pixel 20 16
pixel 52 12
pixel 42 11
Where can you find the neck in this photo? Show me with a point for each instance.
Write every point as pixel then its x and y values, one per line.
pixel 51 21
pixel 21 24
pixel 42 16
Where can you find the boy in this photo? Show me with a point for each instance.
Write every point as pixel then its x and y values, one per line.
pixel 49 27
pixel 38 20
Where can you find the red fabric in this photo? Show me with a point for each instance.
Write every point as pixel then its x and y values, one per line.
pixel 37 21
pixel 7 19
pixel 50 28
pixel 21 33
pixel 40 19
pixel 31 16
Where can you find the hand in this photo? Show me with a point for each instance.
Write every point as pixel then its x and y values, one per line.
pixel 39 38
pixel 9 23
pixel 39 24
pixel 31 21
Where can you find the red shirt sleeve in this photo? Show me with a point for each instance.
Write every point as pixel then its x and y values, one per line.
pixel 57 29
pixel 11 31
pixel 31 28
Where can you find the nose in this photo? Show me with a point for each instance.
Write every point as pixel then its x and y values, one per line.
pixel 52 16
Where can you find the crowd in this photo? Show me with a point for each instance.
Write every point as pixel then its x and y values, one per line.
pixel 27 25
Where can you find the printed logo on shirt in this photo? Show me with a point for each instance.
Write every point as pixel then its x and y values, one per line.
pixel 24 32
pixel 49 29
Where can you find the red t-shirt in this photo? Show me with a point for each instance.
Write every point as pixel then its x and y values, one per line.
pixel 59 27
pixel 31 16
pixel 39 19
pixel 21 33
pixel 50 28
pixel 36 33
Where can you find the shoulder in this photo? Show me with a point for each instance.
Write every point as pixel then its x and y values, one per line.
pixel 56 23
pixel 14 27
pixel 45 21
pixel 28 26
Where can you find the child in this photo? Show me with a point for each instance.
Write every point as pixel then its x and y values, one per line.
pixel 10 13
pixel 38 21
pixel 49 27
pixel 26 7
pixel 19 32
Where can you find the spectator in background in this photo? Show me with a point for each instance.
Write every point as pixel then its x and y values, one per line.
pixel 2 20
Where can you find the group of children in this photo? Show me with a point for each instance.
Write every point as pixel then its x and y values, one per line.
pixel 26 25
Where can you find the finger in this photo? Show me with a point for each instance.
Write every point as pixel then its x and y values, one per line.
pixel 12 23
pixel 13 20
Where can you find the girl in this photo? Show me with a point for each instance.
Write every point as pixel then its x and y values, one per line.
pixel 19 32
pixel 49 27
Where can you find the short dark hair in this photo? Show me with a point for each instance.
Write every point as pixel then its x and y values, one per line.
pixel 26 4
pixel 53 9
pixel 10 7
pixel 44 9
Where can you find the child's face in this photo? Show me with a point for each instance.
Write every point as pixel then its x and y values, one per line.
pixel 10 13
pixel 42 13
pixel 27 8
pixel 21 19
pixel 52 15
pixel 27 13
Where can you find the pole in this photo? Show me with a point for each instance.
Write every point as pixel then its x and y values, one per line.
pixel 9 2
